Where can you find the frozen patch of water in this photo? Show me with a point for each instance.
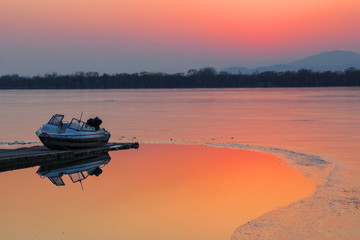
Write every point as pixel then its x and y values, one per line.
pixel 298 158
pixel 17 143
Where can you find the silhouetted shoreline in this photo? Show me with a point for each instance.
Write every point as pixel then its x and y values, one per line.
pixel 202 78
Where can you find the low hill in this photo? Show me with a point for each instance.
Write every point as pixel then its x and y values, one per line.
pixel 326 61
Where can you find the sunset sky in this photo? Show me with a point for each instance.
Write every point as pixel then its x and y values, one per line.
pixel 66 36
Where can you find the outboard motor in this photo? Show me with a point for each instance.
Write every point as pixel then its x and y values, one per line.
pixel 94 122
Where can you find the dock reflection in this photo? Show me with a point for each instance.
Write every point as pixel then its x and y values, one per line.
pixel 78 164
pixel 77 168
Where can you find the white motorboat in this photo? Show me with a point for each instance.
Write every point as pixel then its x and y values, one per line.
pixel 57 134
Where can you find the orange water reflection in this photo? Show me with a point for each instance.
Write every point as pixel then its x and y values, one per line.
pixel 156 192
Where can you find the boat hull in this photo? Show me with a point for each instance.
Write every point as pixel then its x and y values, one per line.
pixel 64 143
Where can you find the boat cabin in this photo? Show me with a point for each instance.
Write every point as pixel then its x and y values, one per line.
pixel 75 124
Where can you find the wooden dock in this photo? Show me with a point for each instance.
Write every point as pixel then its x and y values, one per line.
pixel 11 159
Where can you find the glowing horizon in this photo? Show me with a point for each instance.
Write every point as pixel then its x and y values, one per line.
pixel 169 36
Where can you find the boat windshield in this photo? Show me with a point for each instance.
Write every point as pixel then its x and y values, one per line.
pixel 57 181
pixel 76 124
pixel 56 119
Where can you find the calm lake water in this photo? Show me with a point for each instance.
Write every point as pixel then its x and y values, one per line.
pixel 274 117
pixel 161 191
pixel 164 191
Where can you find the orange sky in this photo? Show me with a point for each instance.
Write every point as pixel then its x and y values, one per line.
pixel 170 36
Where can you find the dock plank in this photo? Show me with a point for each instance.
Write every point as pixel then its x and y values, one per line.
pixel 11 159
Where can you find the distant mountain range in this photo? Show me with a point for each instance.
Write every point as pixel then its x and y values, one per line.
pixel 326 61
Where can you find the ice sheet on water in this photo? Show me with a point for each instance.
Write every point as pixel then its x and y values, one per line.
pixel 16 142
pixel 299 158
pixel 303 120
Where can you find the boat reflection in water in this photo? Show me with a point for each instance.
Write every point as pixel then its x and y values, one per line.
pixel 77 168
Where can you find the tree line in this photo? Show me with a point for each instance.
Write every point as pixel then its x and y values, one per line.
pixel 202 78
